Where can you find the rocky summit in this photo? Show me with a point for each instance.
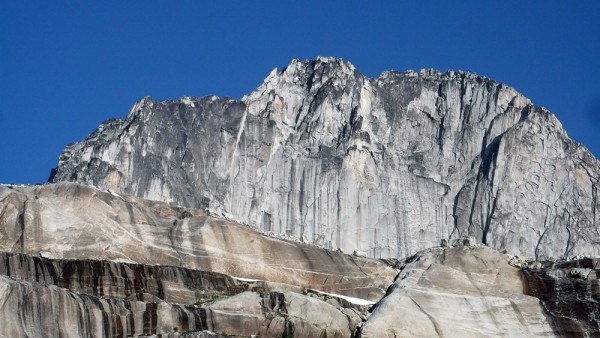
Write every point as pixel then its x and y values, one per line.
pixel 385 166
pixel 325 203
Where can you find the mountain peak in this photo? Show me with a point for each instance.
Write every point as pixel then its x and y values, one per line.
pixel 384 166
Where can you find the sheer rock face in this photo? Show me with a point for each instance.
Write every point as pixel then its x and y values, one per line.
pixel 134 282
pixel 41 297
pixel 385 165
pixel 71 221
pixel 458 292
pixel 35 310
pixel 570 293
pixel 473 291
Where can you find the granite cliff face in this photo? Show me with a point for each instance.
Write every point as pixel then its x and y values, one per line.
pixel 475 291
pixel 76 261
pixel 70 221
pixel 385 166
pixel 466 291
pixel 215 217
pixel 569 292
pixel 458 292
pixel 66 299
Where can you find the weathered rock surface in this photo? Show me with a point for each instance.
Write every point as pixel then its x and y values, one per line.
pixel 288 314
pixel 570 294
pixel 474 292
pixel 385 166
pixel 71 221
pixel 35 310
pixel 453 291
pixel 107 279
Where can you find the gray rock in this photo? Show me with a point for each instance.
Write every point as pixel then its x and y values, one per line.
pixel 569 296
pixel 465 241
pixel 475 292
pixel 73 222
pixel 126 281
pixel 384 165
pixel 279 315
pixel 579 273
pixel 458 292
pixel 35 310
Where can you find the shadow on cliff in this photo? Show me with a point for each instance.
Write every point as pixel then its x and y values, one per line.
pixel 567 295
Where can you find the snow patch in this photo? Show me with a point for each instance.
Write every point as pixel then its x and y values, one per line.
pixel 124 260
pixel 113 193
pixel 353 300
pixel 241 279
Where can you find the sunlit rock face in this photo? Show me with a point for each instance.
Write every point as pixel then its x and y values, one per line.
pixel 210 217
pixel 76 261
pixel 71 221
pixel 466 291
pixel 127 281
pixel 475 292
pixel 385 166
pixel 36 310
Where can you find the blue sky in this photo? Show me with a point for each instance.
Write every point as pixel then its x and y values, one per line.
pixel 67 66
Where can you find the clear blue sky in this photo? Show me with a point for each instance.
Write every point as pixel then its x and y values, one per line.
pixel 67 66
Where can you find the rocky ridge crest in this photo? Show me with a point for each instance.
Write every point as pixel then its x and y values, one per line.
pixel 385 166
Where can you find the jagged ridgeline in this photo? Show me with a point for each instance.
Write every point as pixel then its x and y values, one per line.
pixel 385 166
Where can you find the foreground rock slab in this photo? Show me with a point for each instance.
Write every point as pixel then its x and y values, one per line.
pixel 468 290
pixel 72 221
pixel 36 310
pixel 458 292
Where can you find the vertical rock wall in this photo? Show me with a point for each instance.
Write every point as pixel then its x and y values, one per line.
pixel 384 166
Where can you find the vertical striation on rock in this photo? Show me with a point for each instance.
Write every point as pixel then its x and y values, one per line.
pixel 569 292
pixel 126 281
pixel 385 165
pixel 34 310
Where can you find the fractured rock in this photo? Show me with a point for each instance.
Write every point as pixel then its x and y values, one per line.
pixel 71 221
pixel 457 292
pixel 384 165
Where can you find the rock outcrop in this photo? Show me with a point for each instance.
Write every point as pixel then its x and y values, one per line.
pixel 35 310
pixel 569 291
pixel 71 221
pixel 133 282
pixel 467 291
pixel 473 291
pixel 70 267
pixel 385 166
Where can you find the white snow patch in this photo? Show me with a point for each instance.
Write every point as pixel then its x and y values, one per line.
pixel 113 193
pixel 241 279
pixel 124 260
pixel 353 300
